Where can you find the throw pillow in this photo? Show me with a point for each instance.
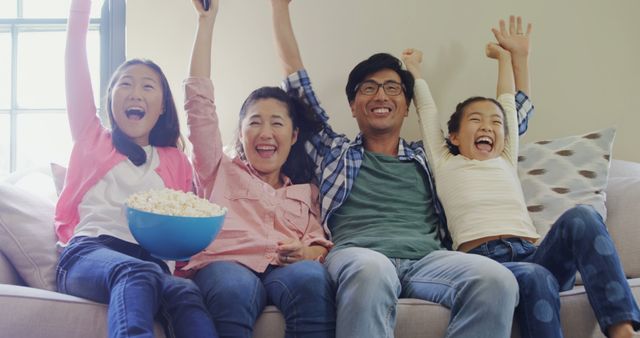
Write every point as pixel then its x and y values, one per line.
pixel 27 236
pixel 557 175
pixel 58 173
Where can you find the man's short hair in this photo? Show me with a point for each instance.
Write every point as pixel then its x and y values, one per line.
pixel 373 64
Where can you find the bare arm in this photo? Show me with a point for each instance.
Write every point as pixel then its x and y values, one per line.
pixel 506 82
pixel 200 65
pixel 284 37
pixel 517 41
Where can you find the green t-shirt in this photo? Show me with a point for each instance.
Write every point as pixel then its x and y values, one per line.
pixel 389 210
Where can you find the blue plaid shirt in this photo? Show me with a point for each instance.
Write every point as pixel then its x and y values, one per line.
pixel 338 159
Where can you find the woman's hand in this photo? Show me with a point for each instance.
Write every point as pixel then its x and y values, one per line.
pixel 290 251
pixel 213 8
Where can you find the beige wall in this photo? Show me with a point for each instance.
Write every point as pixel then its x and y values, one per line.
pixel 585 59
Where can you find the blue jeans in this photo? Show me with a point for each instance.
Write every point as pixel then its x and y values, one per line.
pixel 136 286
pixel 577 241
pixel 236 296
pixel 481 293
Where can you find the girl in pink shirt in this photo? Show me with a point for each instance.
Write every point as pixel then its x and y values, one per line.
pixel 269 248
pixel 100 260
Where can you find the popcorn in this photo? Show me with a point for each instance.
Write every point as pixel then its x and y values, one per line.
pixel 174 203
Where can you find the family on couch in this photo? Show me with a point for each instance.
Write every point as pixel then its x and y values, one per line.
pixel 330 230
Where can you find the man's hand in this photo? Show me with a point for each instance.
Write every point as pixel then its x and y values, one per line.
pixel 513 39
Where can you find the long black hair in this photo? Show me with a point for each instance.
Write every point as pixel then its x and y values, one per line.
pixel 298 166
pixel 166 131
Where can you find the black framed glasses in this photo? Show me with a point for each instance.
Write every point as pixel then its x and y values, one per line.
pixel 370 87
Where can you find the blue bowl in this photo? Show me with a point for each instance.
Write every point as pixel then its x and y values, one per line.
pixel 173 237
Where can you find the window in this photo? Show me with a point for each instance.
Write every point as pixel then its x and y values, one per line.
pixel 33 123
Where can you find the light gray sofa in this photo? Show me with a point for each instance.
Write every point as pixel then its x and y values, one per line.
pixel 31 312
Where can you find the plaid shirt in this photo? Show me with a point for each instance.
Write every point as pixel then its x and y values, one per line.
pixel 338 159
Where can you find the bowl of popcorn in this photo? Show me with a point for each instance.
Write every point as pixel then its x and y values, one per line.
pixel 173 225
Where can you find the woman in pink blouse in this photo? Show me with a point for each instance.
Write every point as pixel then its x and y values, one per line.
pixel 270 247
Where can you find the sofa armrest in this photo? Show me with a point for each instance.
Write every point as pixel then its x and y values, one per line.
pixel 623 220
pixel 8 274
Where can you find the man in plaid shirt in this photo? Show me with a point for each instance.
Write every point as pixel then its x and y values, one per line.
pixel 379 206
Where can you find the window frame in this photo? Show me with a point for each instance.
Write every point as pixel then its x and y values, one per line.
pixel 111 25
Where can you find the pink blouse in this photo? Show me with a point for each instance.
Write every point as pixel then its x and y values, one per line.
pixel 258 215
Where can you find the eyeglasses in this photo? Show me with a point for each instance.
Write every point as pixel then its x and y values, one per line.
pixel 370 88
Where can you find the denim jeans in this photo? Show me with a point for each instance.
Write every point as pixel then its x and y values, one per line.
pixel 236 296
pixel 481 293
pixel 577 241
pixel 136 286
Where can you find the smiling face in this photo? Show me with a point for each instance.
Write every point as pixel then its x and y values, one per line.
pixel 137 102
pixel 380 113
pixel 267 134
pixel 481 134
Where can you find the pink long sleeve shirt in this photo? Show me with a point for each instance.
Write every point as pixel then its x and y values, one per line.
pixel 93 154
pixel 258 215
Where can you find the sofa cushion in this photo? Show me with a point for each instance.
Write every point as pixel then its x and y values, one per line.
pixel 27 235
pixel 558 174
pixel 29 312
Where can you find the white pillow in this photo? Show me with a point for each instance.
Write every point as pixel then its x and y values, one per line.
pixel 27 236
pixel 558 174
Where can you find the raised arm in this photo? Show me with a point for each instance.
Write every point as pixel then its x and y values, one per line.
pixel 202 120
pixel 506 82
pixel 433 138
pixel 505 94
pixel 200 65
pixel 285 39
pixel 517 41
pixel 81 106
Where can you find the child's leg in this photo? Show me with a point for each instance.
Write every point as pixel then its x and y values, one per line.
pixel 183 305
pixel 93 268
pixel 234 296
pixel 579 240
pixel 538 311
pixel 304 292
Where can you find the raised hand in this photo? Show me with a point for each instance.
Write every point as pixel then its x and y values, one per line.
pixel 412 59
pixel 213 8
pixel 495 51
pixel 514 38
pixel 517 41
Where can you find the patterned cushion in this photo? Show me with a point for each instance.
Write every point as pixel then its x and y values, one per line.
pixel 558 174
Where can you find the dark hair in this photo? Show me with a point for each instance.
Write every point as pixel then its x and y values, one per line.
pixel 166 131
pixel 298 166
pixel 456 118
pixel 375 63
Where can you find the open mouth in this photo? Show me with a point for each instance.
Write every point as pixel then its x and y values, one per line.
pixel 135 113
pixel 484 143
pixel 380 111
pixel 266 151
